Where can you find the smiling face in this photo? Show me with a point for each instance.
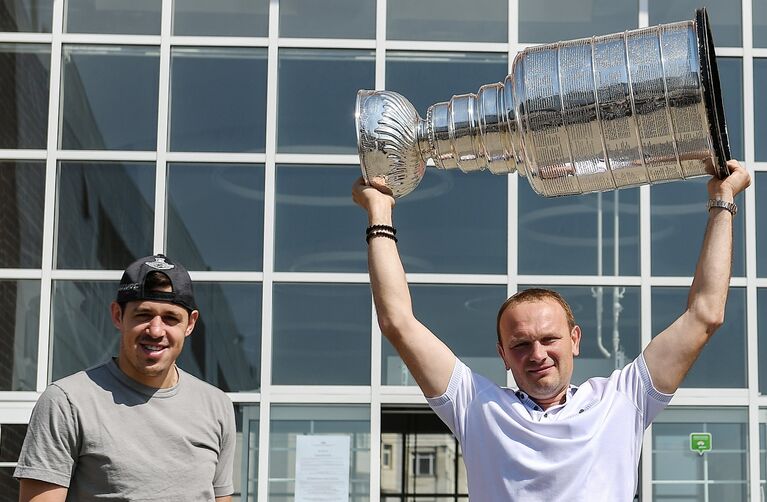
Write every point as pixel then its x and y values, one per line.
pixel 538 346
pixel 152 336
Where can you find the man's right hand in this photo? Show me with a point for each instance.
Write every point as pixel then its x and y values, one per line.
pixel 375 198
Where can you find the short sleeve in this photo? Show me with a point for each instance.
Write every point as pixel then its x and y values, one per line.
pixel 51 445
pixel 451 407
pixel 635 381
pixel 222 480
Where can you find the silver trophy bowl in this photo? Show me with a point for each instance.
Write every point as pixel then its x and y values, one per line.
pixel 588 115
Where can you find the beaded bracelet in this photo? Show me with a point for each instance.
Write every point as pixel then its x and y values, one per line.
pixel 379 233
pixel 388 228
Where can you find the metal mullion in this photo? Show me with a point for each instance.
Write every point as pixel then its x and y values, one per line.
pixel 216 157
pixel 110 39
pixel 645 306
pixel 758 52
pixel 300 158
pixel 512 183
pixel 759 166
pixel 19 274
pixel 163 118
pixel 320 277
pixel 11 37
pixel 227 276
pixel 23 154
pixel 581 280
pixel 735 52
pixel 268 263
pixel 49 208
pixel 107 155
pixel 85 275
pixel 213 41
pixel 427 46
pixel 328 43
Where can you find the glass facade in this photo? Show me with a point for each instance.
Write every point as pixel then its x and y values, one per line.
pixel 222 133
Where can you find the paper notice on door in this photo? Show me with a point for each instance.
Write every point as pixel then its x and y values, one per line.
pixel 322 468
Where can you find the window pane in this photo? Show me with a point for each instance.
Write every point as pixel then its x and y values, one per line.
pixel 425 78
pixel 20 311
pixel 760 109
pixel 245 474
pixel 684 475
pixel 725 18
pixel 82 333
pixel 218 100
pixel 722 363
pixel 22 192
pixel 678 223
pixel 731 80
pixel 24 76
pixel 449 21
pixel 11 439
pixel 321 334
pixel 225 347
pixel 105 214
pixel 759 15
pixel 338 19
pixel 461 316
pixel 761 322
pixel 8 483
pixel 577 235
pixel 318 117
pixel 233 18
pixel 139 17
pixel 574 19
pixel 605 346
pixel 109 97
pixel 318 227
pixel 26 15
pixel 204 231
pixel 289 422
pixel 760 196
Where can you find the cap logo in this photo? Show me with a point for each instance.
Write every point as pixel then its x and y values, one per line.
pixel 159 264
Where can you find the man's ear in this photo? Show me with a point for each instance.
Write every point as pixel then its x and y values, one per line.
pixel 117 315
pixel 499 348
pixel 193 316
pixel 575 336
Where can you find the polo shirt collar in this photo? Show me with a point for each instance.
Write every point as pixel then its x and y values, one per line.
pixel 533 406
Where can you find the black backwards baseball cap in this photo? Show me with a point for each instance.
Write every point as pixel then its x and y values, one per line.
pixel 132 284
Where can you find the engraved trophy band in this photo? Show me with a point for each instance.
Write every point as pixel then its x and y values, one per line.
pixel 589 115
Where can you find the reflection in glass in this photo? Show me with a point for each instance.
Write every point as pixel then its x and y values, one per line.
pixel 731 80
pixel 22 190
pixel 245 477
pixel 20 311
pixel 678 223
pixel 760 109
pixel 318 228
pixel 337 19
pixel 318 117
pixel 109 96
pixel 11 439
pixel 26 15
pixel 682 474
pixel 218 100
pixel 82 333
pixel 725 18
pixel 759 17
pixel 225 347
pixel 232 18
pixel 609 318
pixel 461 316
pixel 321 334
pixel 454 223
pixel 137 17
pixel 573 19
pixel 760 196
pixel 761 322
pixel 447 21
pixel 722 364
pixel 24 76
pixel 206 202
pixel 577 235
pixel 425 78
pixel 105 214
pixel 289 422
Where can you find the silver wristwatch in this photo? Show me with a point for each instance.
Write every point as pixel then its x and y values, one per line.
pixel 732 208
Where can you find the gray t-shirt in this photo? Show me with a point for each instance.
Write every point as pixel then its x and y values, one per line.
pixel 108 437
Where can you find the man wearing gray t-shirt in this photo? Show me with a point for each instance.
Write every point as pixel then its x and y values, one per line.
pixel 137 427
pixel 549 440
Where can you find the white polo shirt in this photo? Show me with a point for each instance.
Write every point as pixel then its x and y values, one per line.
pixel 586 449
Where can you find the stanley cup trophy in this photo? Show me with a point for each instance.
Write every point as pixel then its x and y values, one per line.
pixel 588 115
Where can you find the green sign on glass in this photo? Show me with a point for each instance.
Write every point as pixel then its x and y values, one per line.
pixel 700 442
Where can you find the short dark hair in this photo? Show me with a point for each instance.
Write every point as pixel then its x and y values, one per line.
pixel 155 281
pixel 534 295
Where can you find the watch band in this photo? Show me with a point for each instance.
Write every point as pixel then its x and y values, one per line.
pixel 731 207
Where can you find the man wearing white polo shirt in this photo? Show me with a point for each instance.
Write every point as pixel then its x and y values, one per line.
pixel 548 440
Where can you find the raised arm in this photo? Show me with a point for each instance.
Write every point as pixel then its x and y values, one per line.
pixel 672 353
pixel 429 360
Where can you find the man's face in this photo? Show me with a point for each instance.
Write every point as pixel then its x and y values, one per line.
pixel 152 336
pixel 538 347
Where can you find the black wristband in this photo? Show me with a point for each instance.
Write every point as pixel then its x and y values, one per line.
pixel 379 233
pixel 388 228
